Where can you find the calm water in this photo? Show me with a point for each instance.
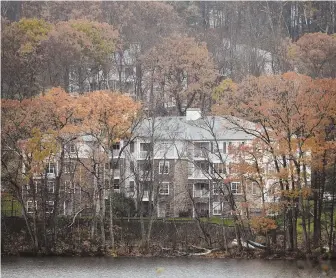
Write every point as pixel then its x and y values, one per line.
pixel 154 267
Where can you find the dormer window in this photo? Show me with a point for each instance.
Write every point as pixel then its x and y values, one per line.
pixel 72 148
pixel 116 146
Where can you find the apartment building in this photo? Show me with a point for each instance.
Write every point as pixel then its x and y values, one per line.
pixel 179 165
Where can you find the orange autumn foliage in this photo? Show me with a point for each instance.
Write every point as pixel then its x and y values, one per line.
pixel 262 225
pixel 40 126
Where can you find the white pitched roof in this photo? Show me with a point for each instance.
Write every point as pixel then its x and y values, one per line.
pixel 203 129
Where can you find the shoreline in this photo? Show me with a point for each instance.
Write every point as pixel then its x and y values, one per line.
pixel 218 254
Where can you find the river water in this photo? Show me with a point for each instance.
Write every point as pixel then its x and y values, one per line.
pixel 75 267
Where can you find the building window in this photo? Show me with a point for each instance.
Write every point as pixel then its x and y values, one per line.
pixel 201 149
pixel 224 147
pixel 116 185
pixel 131 186
pixel 37 185
pixel 217 188
pixel 51 168
pixel 144 150
pixel 190 168
pixel 164 188
pixel 233 168
pixel 72 148
pixel 112 165
pixel 129 71
pixel 113 84
pixel 254 188
pixel 116 146
pixel 132 147
pixel 51 186
pixel 132 169
pixel 31 206
pixel 201 190
pixel 216 208
pixel 144 168
pixel 217 147
pixel 49 206
pixel 164 167
pixel 115 165
pixel 219 168
pixel 69 187
pixel 230 148
pixel 235 188
pixel 68 167
pixel 145 147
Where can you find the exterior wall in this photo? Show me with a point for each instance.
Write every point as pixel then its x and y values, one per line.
pixel 187 189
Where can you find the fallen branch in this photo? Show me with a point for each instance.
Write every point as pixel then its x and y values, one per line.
pixel 207 251
pixel 74 218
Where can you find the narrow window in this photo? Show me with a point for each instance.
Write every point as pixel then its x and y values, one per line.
pixel 164 188
pixel 235 187
pixel 51 186
pixel 224 147
pixel 116 146
pixel 131 186
pixel 164 167
pixel 49 206
pixel 31 206
pixel 51 168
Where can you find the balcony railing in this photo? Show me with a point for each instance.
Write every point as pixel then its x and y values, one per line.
pixel 116 172
pixel 199 174
pixel 145 196
pixel 200 193
pixel 115 153
pixel 199 153
pixel 144 175
pixel 143 154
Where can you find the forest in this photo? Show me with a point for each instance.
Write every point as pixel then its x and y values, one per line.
pixel 100 68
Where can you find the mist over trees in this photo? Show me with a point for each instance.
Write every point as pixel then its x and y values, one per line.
pixel 48 43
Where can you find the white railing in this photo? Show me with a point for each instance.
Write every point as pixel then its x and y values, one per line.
pixel 145 196
pixel 201 193
pixel 143 154
pixel 199 153
pixel 116 172
pixel 115 153
pixel 45 175
pixel 144 175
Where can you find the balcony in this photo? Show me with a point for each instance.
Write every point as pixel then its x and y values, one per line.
pixel 143 154
pixel 198 170
pixel 201 193
pixel 145 196
pixel 115 153
pixel 108 173
pixel 201 149
pixel 144 150
pixel 199 174
pixel 199 153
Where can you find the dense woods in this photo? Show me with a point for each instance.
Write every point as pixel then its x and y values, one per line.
pixel 99 68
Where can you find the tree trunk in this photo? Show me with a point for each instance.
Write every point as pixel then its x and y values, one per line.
pixel 331 233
